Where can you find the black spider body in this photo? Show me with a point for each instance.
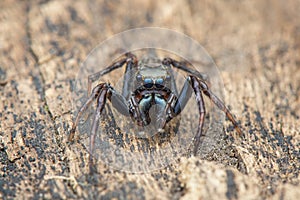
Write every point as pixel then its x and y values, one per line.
pixel 154 86
pixel 149 94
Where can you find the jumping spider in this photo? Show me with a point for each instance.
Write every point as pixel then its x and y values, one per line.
pixel 149 82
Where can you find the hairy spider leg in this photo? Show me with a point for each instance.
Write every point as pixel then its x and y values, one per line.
pixel 206 90
pixel 183 66
pixel 198 86
pixel 101 100
pixel 131 68
pixel 83 108
pixel 128 58
pixel 101 92
pixel 218 102
pixel 197 82
pixel 201 106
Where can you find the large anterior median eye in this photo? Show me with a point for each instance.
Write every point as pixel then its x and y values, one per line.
pixel 148 83
pixel 159 82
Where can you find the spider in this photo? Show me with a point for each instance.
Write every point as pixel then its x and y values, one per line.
pixel 146 83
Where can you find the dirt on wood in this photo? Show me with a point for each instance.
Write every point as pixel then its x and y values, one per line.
pixel 256 46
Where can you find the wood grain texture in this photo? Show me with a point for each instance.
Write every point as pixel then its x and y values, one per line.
pixel 256 45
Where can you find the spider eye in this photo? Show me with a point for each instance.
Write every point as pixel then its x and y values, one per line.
pixel 168 78
pixel 159 81
pixel 139 77
pixel 148 83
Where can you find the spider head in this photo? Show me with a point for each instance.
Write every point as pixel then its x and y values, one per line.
pixel 152 75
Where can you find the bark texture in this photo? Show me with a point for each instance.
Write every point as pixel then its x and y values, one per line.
pixel 256 45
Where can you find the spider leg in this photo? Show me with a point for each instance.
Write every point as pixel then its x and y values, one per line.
pixel 101 93
pixel 184 96
pixel 198 86
pixel 183 66
pixel 127 58
pixel 173 82
pixel 117 100
pixel 218 103
pixel 169 113
pixel 94 95
pixel 131 67
pixel 201 107
pixel 205 88
pixel 101 100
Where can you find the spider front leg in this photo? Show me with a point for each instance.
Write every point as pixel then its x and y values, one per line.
pixel 100 93
pixel 94 95
pixel 117 100
pixel 101 100
pixel 201 107
pixel 200 86
pixel 183 98
pixel 196 82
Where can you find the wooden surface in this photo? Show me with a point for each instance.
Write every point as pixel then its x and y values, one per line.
pixel 256 45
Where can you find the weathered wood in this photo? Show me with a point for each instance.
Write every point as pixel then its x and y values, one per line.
pixel 256 46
